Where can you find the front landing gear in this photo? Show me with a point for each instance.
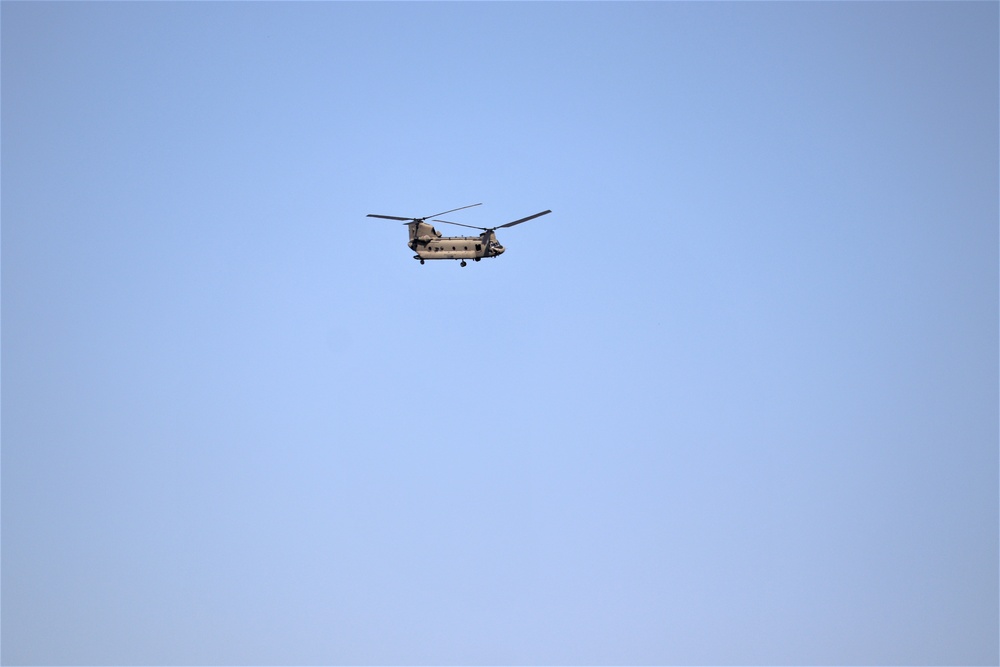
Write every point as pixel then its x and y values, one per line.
pixel 463 263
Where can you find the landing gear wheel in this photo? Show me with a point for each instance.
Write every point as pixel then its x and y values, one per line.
pixel 421 261
pixel 463 263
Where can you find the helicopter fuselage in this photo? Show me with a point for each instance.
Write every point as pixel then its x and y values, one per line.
pixel 428 243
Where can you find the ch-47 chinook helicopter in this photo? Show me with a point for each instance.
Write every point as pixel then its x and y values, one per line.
pixel 428 243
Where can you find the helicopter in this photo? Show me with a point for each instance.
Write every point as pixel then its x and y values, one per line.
pixel 428 242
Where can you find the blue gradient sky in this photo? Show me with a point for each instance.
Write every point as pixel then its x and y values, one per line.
pixel 734 402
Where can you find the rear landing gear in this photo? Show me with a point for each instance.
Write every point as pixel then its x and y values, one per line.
pixel 463 263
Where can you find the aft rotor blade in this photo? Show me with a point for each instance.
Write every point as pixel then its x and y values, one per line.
pixel 387 217
pixel 530 217
pixel 452 211
pixel 461 225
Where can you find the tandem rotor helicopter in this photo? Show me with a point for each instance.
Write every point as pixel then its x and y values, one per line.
pixel 428 242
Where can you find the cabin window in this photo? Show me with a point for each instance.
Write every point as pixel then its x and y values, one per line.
pixel 453 247
pixel 479 246
pixel 465 247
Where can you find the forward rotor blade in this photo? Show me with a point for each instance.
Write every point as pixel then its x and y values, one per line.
pixel 459 224
pixel 387 217
pixel 452 211
pixel 530 217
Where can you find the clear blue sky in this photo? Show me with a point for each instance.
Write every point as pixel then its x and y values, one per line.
pixel 735 401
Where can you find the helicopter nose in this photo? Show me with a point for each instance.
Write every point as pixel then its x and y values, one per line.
pixel 498 249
